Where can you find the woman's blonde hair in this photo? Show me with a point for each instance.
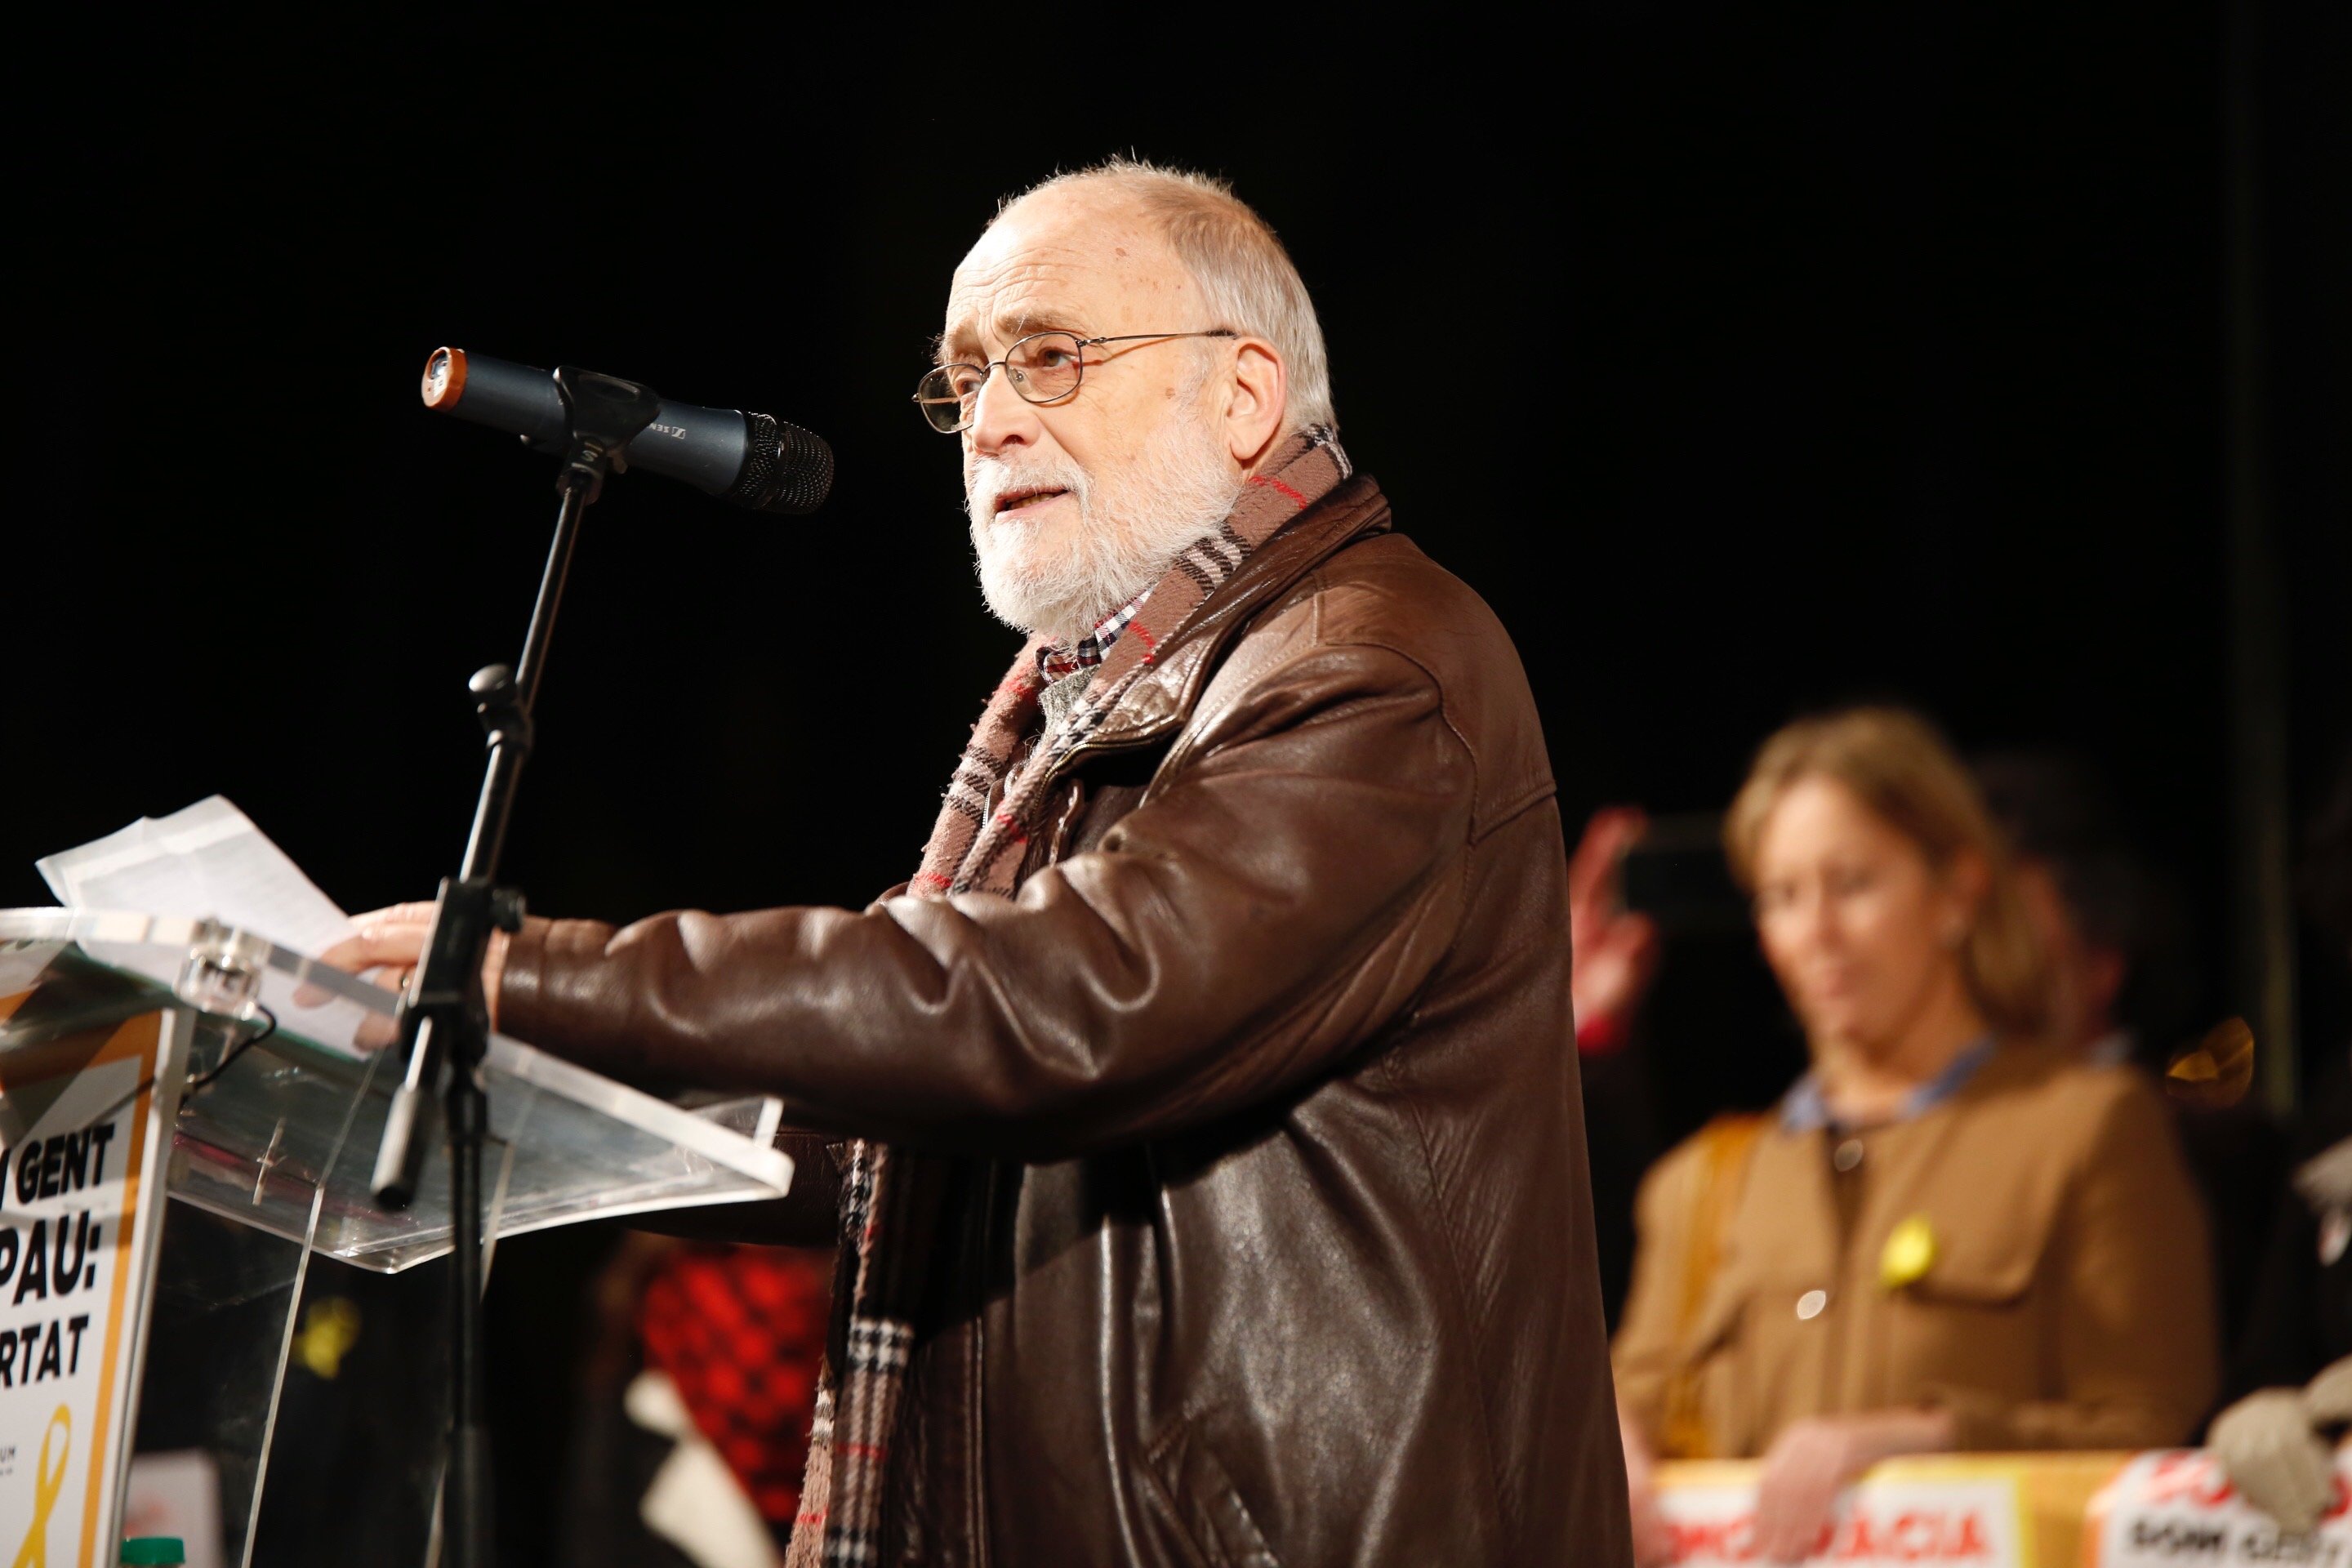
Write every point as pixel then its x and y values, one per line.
pixel 1898 765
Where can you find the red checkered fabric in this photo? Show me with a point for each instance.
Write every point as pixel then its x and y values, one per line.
pixel 741 1332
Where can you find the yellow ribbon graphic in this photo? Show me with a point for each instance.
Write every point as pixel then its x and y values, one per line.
pixel 49 1484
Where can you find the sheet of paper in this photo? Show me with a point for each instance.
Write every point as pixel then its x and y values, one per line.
pixel 208 859
pixel 209 862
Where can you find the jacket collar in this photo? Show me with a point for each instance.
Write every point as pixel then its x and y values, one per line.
pixel 1159 703
pixel 1806 1108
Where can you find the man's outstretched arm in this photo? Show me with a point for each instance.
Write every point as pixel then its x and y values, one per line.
pixel 1279 896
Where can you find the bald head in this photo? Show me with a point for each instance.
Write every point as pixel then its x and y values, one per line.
pixel 1090 261
pixel 1242 277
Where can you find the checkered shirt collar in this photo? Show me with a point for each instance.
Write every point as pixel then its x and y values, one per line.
pixel 1054 661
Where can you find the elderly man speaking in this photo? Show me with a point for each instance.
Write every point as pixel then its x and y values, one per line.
pixel 1200 1124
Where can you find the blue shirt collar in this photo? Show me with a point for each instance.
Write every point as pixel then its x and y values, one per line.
pixel 1804 1108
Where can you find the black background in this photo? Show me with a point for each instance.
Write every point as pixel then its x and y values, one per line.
pixel 1745 361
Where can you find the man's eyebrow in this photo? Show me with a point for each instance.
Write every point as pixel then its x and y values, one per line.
pixel 1036 320
pixel 960 343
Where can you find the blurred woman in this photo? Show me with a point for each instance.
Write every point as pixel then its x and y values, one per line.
pixel 1951 1234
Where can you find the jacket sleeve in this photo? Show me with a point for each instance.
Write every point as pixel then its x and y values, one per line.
pixel 2136 1346
pixel 1288 881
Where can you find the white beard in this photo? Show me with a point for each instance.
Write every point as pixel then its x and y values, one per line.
pixel 1131 522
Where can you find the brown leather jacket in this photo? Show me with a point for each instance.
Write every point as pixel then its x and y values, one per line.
pixel 1274 1242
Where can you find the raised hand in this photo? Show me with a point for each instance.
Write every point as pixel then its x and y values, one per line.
pixel 1615 953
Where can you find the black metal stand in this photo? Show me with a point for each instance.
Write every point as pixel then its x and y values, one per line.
pixel 444 1019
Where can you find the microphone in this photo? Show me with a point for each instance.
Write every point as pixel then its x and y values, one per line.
pixel 745 459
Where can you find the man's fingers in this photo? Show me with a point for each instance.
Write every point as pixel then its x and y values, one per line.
pixel 420 913
pixel 394 936
pixel 375 950
pixel 386 944
pixel 373 1033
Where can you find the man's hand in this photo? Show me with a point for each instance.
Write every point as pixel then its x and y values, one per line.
pixel 1812 1460
pixel 1612 954
pixel 388 944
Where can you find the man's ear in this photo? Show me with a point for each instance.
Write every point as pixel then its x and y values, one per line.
pixel 1255 400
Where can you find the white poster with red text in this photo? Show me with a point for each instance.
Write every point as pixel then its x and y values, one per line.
pixel 1972 1519
pixel 2177 1510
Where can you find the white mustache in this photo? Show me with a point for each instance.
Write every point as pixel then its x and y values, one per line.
pixel 992 479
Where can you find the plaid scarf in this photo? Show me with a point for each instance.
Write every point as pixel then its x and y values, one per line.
pixel 891 1199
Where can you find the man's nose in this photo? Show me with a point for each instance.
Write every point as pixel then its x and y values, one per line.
pixel 999 417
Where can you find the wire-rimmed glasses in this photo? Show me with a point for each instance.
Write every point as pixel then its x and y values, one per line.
pixel 1044 367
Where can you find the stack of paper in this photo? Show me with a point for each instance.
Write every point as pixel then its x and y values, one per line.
pixel 208 860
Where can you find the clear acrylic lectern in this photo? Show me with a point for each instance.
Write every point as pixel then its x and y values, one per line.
pixel 268 1166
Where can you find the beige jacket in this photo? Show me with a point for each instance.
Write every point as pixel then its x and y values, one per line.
pixel 2029 1254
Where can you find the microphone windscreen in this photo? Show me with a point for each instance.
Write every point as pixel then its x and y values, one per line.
pixel 787 471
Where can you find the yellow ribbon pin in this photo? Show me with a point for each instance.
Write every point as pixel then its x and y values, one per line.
pixel 49 1482
pixel 330 1328
pixel 1910 1252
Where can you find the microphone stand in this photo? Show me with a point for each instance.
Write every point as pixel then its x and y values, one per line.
pixel 444 1018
